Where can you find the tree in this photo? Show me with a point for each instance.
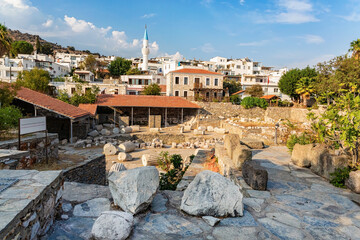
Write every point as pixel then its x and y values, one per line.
pixel 35 79
pixel 288 81
pixel 355 48
pixel 255 91
pixel 21 47
pixel 90 63
pixel 7 93
pixel 79 96
pixel 119 67
pixel 152 89
pixel 232 85
pixel 5 40
pixel 305 88
pixel 133 71
pixel 70 48
pixel 46 49
pixel 38 45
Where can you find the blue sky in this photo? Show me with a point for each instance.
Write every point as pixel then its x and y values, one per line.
pixel 292 33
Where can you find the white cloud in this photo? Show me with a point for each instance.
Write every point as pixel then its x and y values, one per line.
pixel 313 39
pixel 48 23
pixel 353 17
pixel 149 15
pixel 70 30
pixel 207 48
pixel 253 44
pixel 242 2
pixel 295 12
pixel 177 56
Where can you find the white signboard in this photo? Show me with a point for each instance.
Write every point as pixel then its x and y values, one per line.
pixel 30 125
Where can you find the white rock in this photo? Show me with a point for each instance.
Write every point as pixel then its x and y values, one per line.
pixel 212 221
pixel 109 149
pixel 116 131
pixel 117 167
pixel 99 127
pixel 212 194
pixel 173 145
pixel 113 225
pixel 154 130
pixel 210 128
pixel 93 133
pixel 124 156
pixel 64 142
pixel 127 147
pixel 105 132
pixel 133 190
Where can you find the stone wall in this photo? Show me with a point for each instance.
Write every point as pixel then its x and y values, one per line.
pixel 167 138
pixel 35 144
pixel 32 209
pixel 91 172
pixel 271 114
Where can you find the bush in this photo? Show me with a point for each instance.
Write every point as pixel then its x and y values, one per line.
pixel 9 117
pixel 175 169
pixel 303 139
pixel 339 176
pixel 250 102
pixel 235 99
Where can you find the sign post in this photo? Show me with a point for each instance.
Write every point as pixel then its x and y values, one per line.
pixel 32 125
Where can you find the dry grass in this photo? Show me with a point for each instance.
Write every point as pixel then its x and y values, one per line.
pixel 65 161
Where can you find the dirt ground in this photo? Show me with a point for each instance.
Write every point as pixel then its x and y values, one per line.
pixel 136 155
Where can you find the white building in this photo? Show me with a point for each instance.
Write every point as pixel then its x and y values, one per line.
pixel 135 83
pixel 72 59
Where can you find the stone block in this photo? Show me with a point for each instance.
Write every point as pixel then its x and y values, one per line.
pixel 240 155
pixel 353 183
pixel 255 175
pixel 252 143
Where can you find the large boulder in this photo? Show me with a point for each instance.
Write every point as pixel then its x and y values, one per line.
pixel 255 175
pixel 353 183
pixel 211 194
pixel 105 132
pixel 127 147
pixel 231 141
pixel 133 190
pixel 240 155
pixel 99 127
pixel 301 155
pixel 112 225
pixel 323 163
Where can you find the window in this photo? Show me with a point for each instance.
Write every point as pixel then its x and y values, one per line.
pixel 207 95
pixel 176 93
pixel 72 90
pixel 185 93
pixel 116 91
pixel 186 80
pixel 276 90
pixel 177 80
pixel 238 66
pixel 215 95
pixel 216 82
pixel 130 81
pixel 249 67
pixel 158 81
pixel 207 81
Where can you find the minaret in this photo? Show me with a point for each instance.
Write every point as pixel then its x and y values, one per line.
pixel 145 51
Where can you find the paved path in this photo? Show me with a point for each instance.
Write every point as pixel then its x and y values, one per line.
pixel 298 205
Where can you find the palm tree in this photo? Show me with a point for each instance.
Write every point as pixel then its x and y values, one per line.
pixel 355 48
pixel 5 40
pixel 305 87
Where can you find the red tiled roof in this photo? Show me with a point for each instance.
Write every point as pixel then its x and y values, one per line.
pixel 91 108
pixel 163 88
pixel 144 101
pixel 267 97
pixel 49 103
pixel 241 91
pixel 195 71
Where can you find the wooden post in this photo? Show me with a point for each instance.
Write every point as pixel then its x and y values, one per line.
pixel 19 134
pixel 114 117
pixel 182 115
pixel 132 115
pixel 165 117
pixel 35 111
pixel 46 146
pixel 71 131
pixel 149 118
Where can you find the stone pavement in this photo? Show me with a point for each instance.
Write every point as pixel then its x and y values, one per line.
pixel 297 205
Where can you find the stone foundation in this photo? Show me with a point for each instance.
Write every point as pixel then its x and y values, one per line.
pixel 29 206
pixel 91 172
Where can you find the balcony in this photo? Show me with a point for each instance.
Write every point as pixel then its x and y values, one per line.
pixel 198 85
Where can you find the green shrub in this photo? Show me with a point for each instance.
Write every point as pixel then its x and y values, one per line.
pixel 250 102
pixel 235 99
pixel 175 169
pixel 9 117
pixel 303 139
pixel 339 176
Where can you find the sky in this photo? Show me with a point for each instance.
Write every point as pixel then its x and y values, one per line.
pixel 278 33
